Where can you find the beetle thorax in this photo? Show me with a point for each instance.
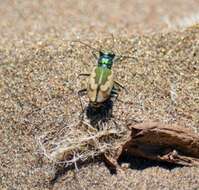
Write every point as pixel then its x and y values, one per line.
pixel 106 60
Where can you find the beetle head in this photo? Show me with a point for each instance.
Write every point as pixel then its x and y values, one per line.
pixel 106 59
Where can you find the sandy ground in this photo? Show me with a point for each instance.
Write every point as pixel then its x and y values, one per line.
pixel 28 21
pixel 38 84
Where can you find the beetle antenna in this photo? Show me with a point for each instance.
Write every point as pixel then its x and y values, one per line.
pixel 85 44
pixel 113 41
pixel 124 57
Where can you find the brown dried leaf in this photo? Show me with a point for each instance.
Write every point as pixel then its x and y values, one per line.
pixel 164 142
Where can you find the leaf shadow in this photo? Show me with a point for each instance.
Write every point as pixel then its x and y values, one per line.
pixel 138 163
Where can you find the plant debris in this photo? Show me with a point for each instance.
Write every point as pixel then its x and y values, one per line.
pixel 78 143
pixel 163 142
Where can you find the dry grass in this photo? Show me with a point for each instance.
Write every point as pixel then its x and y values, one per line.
pixel 79 143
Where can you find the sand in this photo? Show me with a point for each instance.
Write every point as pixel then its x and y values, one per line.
pixel 39 84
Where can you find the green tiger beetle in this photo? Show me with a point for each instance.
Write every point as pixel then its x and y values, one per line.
pixel 101 85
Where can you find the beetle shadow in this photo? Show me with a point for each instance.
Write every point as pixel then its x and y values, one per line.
pixel 100 114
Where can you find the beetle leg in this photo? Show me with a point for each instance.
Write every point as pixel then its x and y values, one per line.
pixel 80 94
pixel 84 74
pixel 121 86
pixel 94 55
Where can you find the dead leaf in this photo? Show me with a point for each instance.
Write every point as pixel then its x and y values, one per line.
pixel 164 142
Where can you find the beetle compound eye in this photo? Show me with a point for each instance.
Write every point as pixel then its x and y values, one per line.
pixel 112 55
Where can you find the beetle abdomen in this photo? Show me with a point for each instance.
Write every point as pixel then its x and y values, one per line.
pixel 100 84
